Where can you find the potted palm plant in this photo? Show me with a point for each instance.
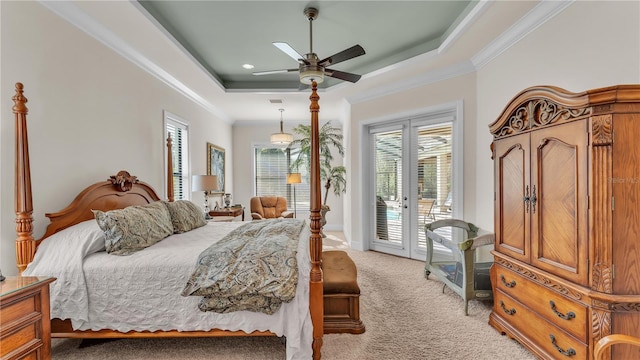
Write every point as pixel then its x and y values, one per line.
pixel 330 137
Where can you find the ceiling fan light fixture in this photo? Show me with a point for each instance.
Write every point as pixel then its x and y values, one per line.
pixel 281 138
pixel 309 75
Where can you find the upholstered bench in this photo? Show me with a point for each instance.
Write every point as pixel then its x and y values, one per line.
pixel 341 294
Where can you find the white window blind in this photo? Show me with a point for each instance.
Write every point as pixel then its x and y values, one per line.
pixel 271 167
pixel 179 132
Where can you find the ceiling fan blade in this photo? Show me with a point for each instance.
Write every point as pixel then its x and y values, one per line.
pixel 302 86
pixel 287 49
pixel 342 75
pixel 343 55
pixel 269 72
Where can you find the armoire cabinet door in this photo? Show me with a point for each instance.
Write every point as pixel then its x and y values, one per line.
pixel 559 214
pixel 512 180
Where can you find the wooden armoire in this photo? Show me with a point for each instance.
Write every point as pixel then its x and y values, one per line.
pixel 567 220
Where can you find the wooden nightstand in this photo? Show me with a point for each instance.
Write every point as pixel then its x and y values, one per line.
pixel 231 211
pixel 25 323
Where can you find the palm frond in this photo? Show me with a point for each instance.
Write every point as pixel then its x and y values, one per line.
pixel 329 138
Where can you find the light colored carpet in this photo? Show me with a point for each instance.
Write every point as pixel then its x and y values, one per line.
pixel 406 317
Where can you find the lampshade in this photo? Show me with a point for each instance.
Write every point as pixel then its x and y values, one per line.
pixel 204 182
pixel 294 178
pixel 281 138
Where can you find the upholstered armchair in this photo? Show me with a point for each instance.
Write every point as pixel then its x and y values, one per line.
pixel 269 207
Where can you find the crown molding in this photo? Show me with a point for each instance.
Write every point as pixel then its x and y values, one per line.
pixel 461 27
pixel 431 77
pixel 544 11
pixel 83 21
pixel 537 16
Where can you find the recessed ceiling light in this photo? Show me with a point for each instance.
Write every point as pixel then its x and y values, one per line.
pixel 247 66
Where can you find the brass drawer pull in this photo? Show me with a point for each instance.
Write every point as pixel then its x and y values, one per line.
pixel 570 315
pixel 568 352
pixel 510 284
pixel 507 311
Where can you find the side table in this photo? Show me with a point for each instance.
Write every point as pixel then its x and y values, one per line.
pixel 230 211
pixel 25 322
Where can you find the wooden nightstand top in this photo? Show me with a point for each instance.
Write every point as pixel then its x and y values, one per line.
pixel 16 283
pixel 231 211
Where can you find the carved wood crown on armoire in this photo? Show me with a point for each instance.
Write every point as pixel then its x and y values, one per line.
pixel 567 220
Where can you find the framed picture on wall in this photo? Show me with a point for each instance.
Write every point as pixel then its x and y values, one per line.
pixel 216 165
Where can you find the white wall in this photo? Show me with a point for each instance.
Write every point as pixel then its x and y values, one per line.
pixel 589 45
pixel 245 136
pixel 91 114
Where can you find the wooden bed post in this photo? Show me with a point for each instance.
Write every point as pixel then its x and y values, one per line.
pixel 170 195
pixel 25 243
pixel 316 303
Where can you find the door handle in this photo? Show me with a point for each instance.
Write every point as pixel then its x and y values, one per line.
pixel 526 199
pixel 534 199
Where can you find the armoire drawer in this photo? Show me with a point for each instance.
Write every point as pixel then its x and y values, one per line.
pixel 568 315
pixel 552 339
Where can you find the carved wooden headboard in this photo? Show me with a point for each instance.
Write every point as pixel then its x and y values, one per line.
pixel 118 192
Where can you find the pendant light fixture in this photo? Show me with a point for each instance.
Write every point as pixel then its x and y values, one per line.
pixel 281 138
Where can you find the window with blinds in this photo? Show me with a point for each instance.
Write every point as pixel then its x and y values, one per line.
pixel 179 131
pixel 434 164
pixel 271 166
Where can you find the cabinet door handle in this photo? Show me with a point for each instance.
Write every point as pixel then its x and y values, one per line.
pixel 570 315
pixel 507 311
pixel 509 284
pixel 526 199
pixel 568 352
pixel 534 199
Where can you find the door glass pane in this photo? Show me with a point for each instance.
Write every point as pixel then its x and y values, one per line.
pixel 388 185
pixel 434 164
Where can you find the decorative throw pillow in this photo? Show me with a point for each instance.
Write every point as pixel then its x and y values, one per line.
pixel 134 228
pixel 185 215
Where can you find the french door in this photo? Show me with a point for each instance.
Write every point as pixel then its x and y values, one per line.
pixel 412 181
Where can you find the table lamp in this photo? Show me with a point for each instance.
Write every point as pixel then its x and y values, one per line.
pixel 293 179
pixel 205 183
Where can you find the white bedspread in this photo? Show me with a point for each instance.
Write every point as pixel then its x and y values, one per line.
pixel 142 291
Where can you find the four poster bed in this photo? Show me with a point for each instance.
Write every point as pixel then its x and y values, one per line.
pixel 302 329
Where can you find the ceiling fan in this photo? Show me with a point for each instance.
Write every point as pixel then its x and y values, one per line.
pixel 311 68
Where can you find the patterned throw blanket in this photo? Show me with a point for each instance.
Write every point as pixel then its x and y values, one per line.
pixel 252 268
